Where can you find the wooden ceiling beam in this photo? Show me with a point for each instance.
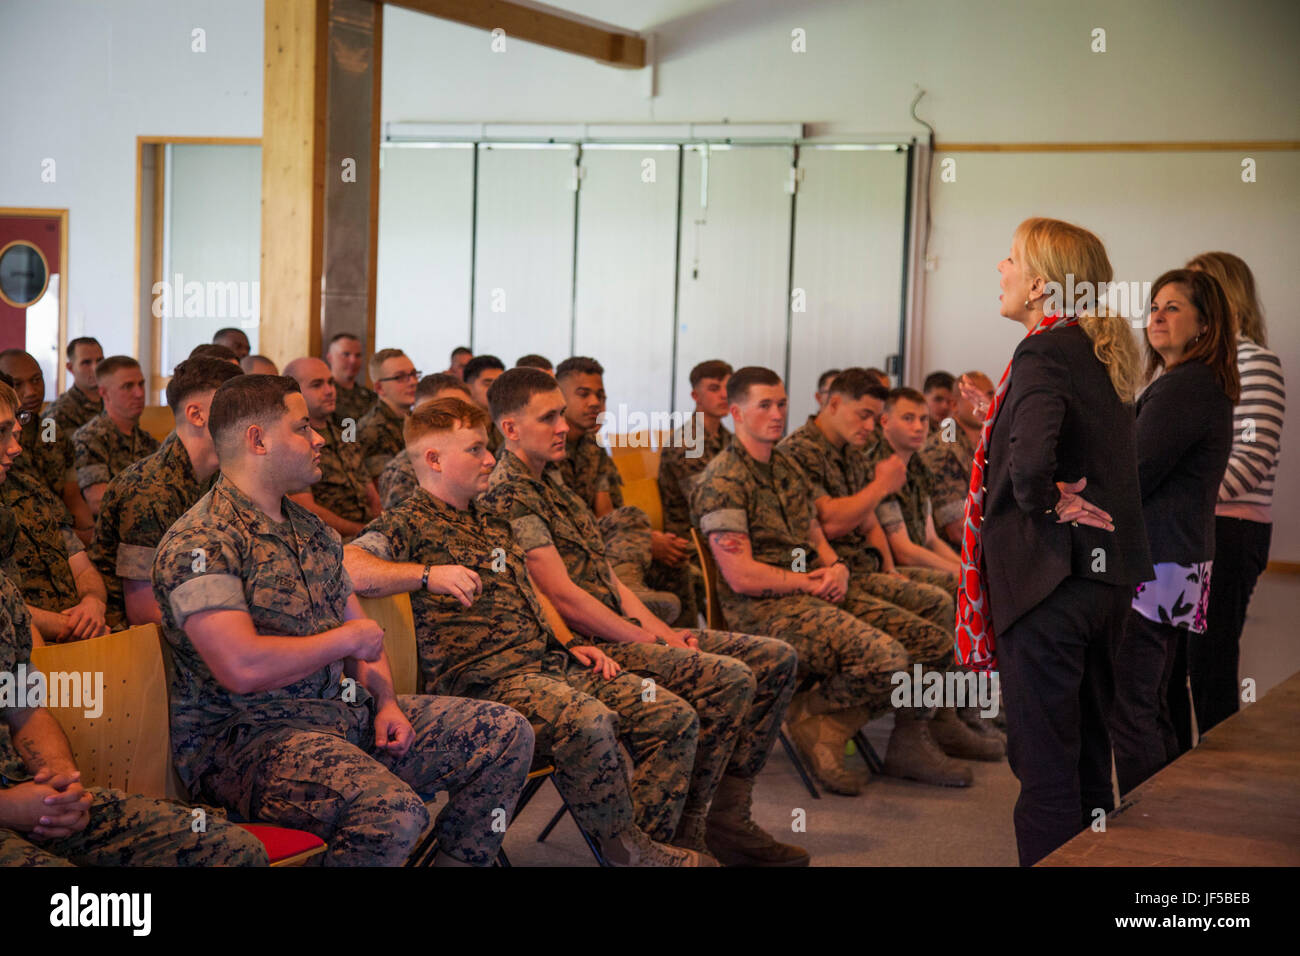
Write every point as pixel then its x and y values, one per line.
pixel 544 27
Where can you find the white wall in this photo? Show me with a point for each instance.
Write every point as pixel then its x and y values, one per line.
pixel 83 78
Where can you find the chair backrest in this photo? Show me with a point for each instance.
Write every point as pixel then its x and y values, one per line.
pixel 644 494
pixel 393 614
pixel 158 421
pixel 710 568
pixel 635 461
pixel 127 746
pixel 553 618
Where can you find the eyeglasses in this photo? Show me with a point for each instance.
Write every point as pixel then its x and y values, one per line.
pixel 24 418
pixel 401 377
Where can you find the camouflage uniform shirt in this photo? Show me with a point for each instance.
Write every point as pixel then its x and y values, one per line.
pixel 353 402
pixel 15 649
pixel 911 504
pixel 138 507
pixel 49 462
pixel 463 650
pixel 837 473
pixel 43 543
pixel 226 554
pixel 343 478
pixel 950 464
pixel 73 409
pixel 588 470
pixel 769 501
pixel 678 475
pixel 543 511
pixel 102 451
pixel 397 481
pixel 380 435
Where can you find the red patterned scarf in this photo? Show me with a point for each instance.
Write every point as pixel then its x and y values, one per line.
pixel 975 644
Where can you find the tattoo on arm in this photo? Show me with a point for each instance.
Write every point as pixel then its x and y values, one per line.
pixel 732 542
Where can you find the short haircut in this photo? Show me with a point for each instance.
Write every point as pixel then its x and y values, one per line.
pixel 229 330
pixel 114 363
pixel 431 385
pixel 8 397
pixel 194 375
pixel 82 340
pixel 221 352
pixel 442 415
pixel 578 365
pixel 342 335
pixel 903 393
pixel 742 380
pixel 938 379
pixel 533 360
pixel 246 363
pixel 460 350
pixel 880 374
pixel 16 353
pixel 827 376
pixel 854 383
pixel 480 364
pixel 515 388
pixel 379 358
pixel 248 399
pixel 713 368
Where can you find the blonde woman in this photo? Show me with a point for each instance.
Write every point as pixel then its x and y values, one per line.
pixel 1243 516
pixel 1053 540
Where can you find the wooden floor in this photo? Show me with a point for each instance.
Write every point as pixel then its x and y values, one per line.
pixel 1233 800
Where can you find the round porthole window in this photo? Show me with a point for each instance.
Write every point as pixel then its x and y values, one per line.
pixel 24 274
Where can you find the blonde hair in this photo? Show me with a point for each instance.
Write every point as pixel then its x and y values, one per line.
pixel 1054 250
pixel 1238 284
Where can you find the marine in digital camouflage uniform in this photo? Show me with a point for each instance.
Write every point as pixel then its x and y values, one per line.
pixel 101 451
pixel 353 403
pixel 342 486
pixel 121 830
pixel 50 462
pixel 379 433
pixel 43 543
pixel 739 685
pixel 679 473
pixel 73 409
pixel 138 507
pixel 502 649
pixel 950 464
pixel 397 481
pixel 304 755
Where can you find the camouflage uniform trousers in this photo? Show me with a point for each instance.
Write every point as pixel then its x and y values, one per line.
pixel 580 720
pixel 739 685
pixel 853 661
pixel 668 592
pixel 137 831
pixel 368 805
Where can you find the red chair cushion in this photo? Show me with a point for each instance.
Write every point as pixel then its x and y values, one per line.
pixel 281 842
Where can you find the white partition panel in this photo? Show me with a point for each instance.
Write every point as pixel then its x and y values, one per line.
pixel 627 243
pixel 426 208
pixel 523 286
pixel 212 241
pixel 848 264
pixel 734 270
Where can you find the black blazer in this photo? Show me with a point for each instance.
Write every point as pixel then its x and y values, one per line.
pixel 1184 427
pixel 1060 420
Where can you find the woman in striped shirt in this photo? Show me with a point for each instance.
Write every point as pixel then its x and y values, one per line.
pixel 1243 523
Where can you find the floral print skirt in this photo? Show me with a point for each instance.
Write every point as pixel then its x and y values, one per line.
pixel 1178 596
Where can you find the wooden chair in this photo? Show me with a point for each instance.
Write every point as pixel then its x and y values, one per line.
pixel 716 622
pixel 635 462
pixel 128 747
pixel 644 494
pixel 158 421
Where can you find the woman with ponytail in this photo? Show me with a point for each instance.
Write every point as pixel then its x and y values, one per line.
pixel 1053 539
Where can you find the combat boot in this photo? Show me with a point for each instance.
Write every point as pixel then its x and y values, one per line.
pixel 820 740
pixel 987 726
pixel 913 754
pixel 633 848
pixel 735 839
pixel 690 831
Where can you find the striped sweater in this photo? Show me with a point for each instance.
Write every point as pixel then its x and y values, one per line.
pixel 1247 488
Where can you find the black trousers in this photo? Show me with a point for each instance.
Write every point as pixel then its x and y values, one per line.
pixel 1055 668
pixel 1240 555
pixel 1141 727
pixel 1178 704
